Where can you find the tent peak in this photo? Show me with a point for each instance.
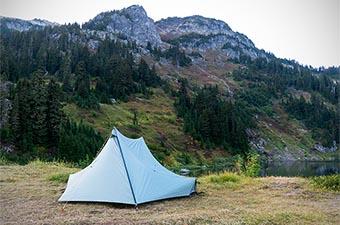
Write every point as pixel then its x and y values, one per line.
pixel 115 132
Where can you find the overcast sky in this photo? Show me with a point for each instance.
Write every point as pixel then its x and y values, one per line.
pixel 305 30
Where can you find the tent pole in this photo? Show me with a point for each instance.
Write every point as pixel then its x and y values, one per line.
pixel 127 172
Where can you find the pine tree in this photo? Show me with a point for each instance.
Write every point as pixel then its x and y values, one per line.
pixel 39 108
pixel 42 56
pixel 20 117
pixel 135 118
pixel 82 85
pixel 54 113
pixel 67 87
pixel 65 68
pixel 122 82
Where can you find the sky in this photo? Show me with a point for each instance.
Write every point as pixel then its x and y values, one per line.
pixel 304 30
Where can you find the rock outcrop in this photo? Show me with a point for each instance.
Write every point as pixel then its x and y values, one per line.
pixel 200 33
pixel 131 23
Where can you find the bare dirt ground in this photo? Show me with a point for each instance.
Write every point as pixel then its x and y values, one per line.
pixel 28 196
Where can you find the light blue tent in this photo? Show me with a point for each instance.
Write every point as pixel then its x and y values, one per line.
pixel 126 172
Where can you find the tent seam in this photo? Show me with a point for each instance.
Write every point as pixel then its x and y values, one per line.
pixel 127 172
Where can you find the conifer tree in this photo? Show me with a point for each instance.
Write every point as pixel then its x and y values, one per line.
pixel 65 68
pixel 54 113
pixel 20 117
pixel 82 86
pixel 39 108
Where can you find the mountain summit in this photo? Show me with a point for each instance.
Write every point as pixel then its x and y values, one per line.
pixel 201 33
pixel 177 26
pixel 132 22
pixel 192 33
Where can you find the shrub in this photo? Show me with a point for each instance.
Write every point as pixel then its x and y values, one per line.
pixel 85 162
pixel 250 165
pixel 4 160
pixel 59 178
pixel 225 177
pixel 330 182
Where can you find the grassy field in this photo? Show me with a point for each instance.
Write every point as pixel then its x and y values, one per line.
pixel 28 195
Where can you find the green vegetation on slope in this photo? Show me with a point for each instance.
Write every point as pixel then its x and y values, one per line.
pixel 157 123
pixel 212 120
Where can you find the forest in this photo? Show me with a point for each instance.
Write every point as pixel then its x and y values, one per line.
pixel 48 74
pixel 58 65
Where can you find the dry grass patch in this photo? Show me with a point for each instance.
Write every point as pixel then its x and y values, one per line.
pixel 28 195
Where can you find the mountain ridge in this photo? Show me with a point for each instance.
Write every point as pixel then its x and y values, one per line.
pixel 204 51
pixel 134 24
pixel 25 25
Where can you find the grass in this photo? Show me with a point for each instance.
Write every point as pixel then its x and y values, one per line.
pixel 157 121
pixel 59 177
pixel 28 195
pixel 330 182
pixel 287 138
pixel 224 178
pixel 3 160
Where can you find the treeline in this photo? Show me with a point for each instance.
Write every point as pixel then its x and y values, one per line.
pixel 212 120
pixel 91 70
pixel 63 64
pixel 280 75
pixel 38 128
pixel 317 116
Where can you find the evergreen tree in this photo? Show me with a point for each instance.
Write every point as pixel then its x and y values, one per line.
pixel 135 118
pixel 54 113
pixel 65 68
pixel 20 117
pixel 82 85
pixel 213 121
pixel 122 82
pixel 39 108
pixel 67 87
pixel 84 97
pixel 78 142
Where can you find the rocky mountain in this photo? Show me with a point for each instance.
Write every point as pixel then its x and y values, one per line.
pixel 193 33
pixel 24 25
pixel 176 26
pixel 212 52
pixel 200 33
pixel 132 23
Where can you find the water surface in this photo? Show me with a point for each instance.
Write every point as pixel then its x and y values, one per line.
pixel 274 168
pixel 300 168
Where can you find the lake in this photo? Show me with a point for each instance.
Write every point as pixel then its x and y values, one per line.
pixel 274 168
pixel 300 168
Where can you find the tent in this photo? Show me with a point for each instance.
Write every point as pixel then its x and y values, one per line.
pixel 125 171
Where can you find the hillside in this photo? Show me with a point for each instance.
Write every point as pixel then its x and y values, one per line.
pixel 283 110
pixel 29 195
pixel 157 123
pixel 282 138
